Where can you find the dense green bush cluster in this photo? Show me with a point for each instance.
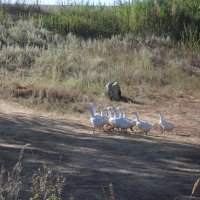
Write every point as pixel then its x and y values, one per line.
pixel 175 18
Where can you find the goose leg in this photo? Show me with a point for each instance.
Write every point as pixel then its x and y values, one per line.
pixel 93 129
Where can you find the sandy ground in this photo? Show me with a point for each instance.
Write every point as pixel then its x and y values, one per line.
pixel 155 166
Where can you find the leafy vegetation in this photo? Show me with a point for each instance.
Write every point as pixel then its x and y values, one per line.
pixel 175 18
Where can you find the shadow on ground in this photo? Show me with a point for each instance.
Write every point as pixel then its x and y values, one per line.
pixel 139 167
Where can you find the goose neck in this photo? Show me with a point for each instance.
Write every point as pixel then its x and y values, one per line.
pixel 161 117
pixel 114 114
pixel 92 107
pixel 137 117
pixel 119 114
pixel 91 112
pixel 123 114
pixel 109 113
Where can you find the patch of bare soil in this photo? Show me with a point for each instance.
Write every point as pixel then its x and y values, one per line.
pixel 155 166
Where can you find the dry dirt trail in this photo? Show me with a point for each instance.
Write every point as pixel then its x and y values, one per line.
pixel 155 167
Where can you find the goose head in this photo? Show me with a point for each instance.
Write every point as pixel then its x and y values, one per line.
pixel 90 109
pixel 90 105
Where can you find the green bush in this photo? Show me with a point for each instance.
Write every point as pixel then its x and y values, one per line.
pixel 177 19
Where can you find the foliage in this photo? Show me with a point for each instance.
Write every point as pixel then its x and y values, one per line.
pixel 177 19
pixel 47 184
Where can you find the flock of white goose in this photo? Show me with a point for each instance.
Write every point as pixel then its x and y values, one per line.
pixel 114 118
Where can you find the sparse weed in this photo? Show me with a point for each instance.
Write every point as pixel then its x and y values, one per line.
pixel 10 182
pixel 195 188
pixel 47 183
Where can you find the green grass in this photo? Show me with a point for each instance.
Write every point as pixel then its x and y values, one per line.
pixel 177 19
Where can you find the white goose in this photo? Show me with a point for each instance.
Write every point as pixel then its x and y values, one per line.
pixel 107 116
pixel 96 120
pixel 132 122
pixel 121 122
pixel 112 117
pixel 142 125
pixel 166 125
pixel 96 113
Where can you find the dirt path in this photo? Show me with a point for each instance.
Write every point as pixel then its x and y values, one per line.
pixel 156 166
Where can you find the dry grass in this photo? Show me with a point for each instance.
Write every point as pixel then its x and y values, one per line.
pixel 146 68
pixel 10 182
pixel 50 97
pixel 23 90
pixel 46 183
pixel 196 188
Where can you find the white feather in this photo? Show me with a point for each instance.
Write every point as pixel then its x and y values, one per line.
pixel 142 125
pixel 96 119
pixel 166 125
